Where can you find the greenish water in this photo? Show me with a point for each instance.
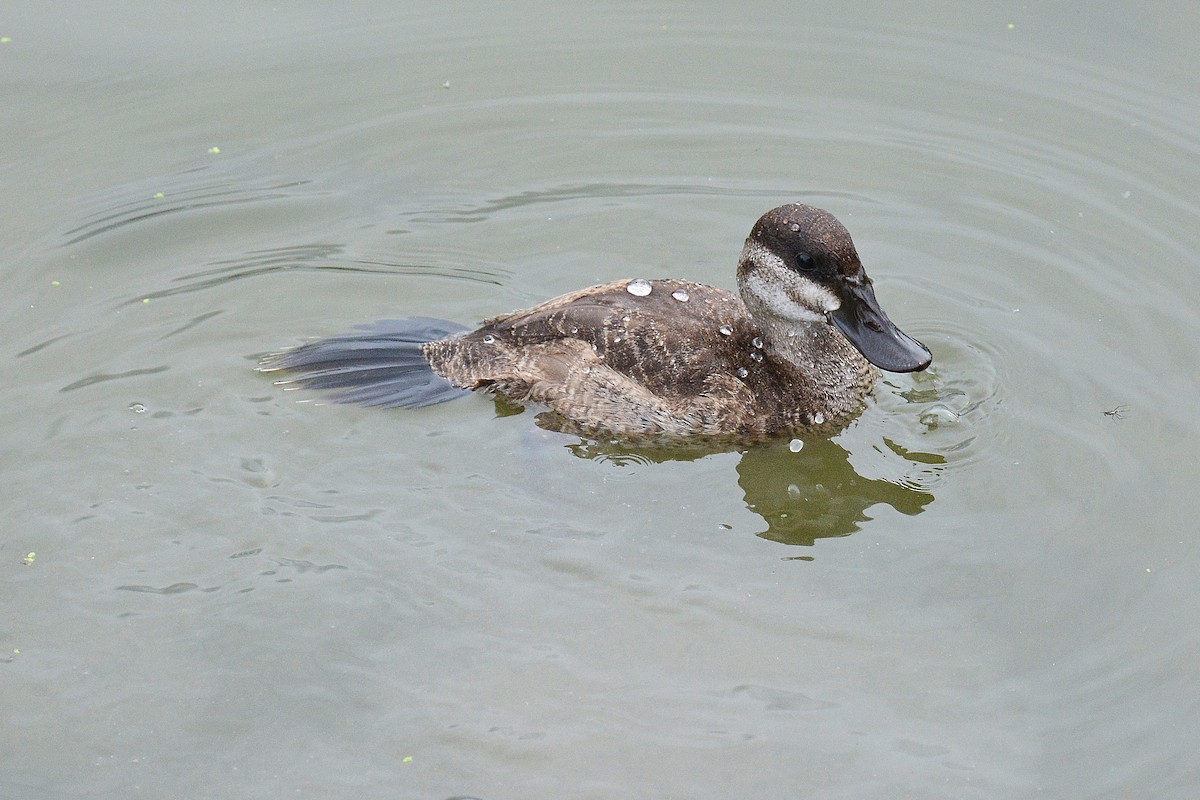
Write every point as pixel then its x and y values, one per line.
pixel 983 588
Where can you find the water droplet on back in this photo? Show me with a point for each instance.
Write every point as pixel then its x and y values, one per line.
pixel 818 418
pixel 489 339
pixel 639 287
pixel 726 330
pixel 757 356
pixel 680 294
pixel 757 342
pixel 795 227
pixel 742 372
pixel 137 408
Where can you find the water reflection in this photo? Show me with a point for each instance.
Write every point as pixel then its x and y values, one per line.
pixel 804 494
pixel 816 493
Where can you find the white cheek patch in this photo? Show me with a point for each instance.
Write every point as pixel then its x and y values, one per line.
pixel 783 292
pixel 813 295
pixel 776 300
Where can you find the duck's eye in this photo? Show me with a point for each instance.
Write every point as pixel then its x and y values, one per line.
pixel 805 262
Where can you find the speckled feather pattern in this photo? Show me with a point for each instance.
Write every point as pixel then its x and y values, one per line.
pixel 608 361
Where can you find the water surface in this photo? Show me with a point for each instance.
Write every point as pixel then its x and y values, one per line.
pixel 982 588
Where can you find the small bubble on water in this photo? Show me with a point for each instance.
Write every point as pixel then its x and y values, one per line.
pixel 757 342
pixel 936 416
pixel 137 408
pixel 680 294
pixel 726 330
pixel 818 418
pixel 742 372
pixel 796 445
pixel 638 287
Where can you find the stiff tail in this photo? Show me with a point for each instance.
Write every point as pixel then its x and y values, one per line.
pixel 380 364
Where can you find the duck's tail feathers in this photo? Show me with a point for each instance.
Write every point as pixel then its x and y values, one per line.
pixel 379 364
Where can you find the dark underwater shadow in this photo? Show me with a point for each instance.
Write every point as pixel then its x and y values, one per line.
pixel 801 494
pixel 816 493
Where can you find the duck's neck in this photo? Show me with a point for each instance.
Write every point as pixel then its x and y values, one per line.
pixel 828 365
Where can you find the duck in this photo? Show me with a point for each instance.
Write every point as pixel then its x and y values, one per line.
pixel 796 350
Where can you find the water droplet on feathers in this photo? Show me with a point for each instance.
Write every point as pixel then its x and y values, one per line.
pixel 638 287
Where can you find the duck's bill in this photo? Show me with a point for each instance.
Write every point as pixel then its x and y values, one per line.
pixel 862 321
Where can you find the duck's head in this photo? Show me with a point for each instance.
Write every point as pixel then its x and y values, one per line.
pixel 799 265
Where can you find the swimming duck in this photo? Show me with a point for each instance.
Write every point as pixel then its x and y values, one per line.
pixel 652 359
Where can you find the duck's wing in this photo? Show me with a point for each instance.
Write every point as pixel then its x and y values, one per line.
pixel 672 340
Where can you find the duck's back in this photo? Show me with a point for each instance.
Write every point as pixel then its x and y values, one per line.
pixel 630 357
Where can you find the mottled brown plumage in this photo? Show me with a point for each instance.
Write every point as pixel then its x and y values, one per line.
pixel 637 359
pixel 607 361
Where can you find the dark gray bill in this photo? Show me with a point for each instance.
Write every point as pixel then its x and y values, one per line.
pixel 862 321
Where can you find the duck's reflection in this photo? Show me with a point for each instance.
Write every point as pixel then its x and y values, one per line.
pixel 804 492
pixel 816 493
